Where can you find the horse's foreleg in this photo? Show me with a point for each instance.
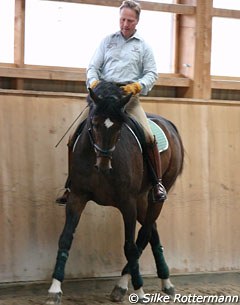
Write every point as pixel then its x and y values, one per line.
pixel 73 212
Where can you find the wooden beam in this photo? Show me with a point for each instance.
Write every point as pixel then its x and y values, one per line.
pixel 227 83
pixel 225 13
pixel 19 33
pixel 79 75
pixel 159 100
pixel 202 62
pixel 145 5
pixel 43 74
pixel 174 80
pixel 186 42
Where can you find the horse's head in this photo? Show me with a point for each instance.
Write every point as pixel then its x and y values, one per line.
pixel 106 118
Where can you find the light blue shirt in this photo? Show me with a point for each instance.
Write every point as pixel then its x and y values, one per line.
pixel 123 61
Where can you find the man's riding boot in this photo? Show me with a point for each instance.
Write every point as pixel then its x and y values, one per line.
pixel 158 191
pixel 62 200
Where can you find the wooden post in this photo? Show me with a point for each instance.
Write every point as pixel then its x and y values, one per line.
pixel 195 48
pixel 19 34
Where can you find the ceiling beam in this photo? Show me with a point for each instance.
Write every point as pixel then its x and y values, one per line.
pixel 145 5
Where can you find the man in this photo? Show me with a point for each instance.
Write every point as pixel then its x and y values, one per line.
pixel 125 59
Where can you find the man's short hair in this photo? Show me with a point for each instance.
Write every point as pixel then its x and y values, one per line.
pixel 132 5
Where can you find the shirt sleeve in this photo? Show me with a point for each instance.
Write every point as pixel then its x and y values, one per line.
pixel 149 72
pixel 96 62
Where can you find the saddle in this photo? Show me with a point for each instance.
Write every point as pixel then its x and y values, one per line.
pixel 137 132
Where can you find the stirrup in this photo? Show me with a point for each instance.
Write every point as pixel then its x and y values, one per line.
pixel 159 193
pixel 62 200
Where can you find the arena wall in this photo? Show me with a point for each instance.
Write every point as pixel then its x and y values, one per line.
pixel 199 225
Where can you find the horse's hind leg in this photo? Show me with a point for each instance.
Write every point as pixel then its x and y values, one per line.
pixel 129 213
pixel 161 265
pixel 74 210
pixel 121 288
pixel 144 236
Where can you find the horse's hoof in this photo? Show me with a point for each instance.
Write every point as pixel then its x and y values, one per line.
pixel 54 299
pixel 118 294
pixel 169 291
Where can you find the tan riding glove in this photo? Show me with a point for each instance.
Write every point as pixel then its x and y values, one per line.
pixel 132 88
pixel 94 84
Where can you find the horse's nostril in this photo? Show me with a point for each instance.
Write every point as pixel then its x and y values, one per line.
pixel 103 168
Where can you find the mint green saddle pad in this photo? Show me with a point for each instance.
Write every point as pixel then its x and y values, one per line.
pixel 161 138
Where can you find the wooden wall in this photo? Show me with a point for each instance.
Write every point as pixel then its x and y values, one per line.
pixel 199 225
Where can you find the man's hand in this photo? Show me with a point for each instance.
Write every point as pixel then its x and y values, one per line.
pixel 94 84
pixel 132 88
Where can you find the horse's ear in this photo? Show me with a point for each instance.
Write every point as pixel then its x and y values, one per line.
pixel 93 96
pixel 125 100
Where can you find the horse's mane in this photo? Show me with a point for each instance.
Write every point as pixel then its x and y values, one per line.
pixel 109 95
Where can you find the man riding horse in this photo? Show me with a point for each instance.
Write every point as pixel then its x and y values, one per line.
pixel 125 59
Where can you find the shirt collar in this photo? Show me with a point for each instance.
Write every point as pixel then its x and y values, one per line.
pixel 135 35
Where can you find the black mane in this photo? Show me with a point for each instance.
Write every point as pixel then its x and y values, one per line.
pixel 109 95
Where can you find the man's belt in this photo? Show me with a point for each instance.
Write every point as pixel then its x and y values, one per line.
pixel 120 84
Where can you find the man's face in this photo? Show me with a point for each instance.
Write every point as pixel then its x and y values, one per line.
pixel 128 22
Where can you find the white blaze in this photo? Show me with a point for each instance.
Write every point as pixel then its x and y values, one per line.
pixel 108 123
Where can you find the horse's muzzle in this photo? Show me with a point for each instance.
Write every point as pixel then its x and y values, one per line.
pixel 103 165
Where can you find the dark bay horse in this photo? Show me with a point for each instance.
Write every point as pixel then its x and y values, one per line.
pixel 107 166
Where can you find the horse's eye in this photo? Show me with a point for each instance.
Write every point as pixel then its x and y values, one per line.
pixel 95 126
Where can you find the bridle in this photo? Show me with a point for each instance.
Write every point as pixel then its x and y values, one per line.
pixel 106 153
pixel 97 99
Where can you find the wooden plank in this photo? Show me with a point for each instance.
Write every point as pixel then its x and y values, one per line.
pixel 173 81
pixel 225 13
pixel 145 99
pixel 145 5
pixel 225 84
pixel 76 74
pixel 43 74
pixel 80 75
pixel 229 78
